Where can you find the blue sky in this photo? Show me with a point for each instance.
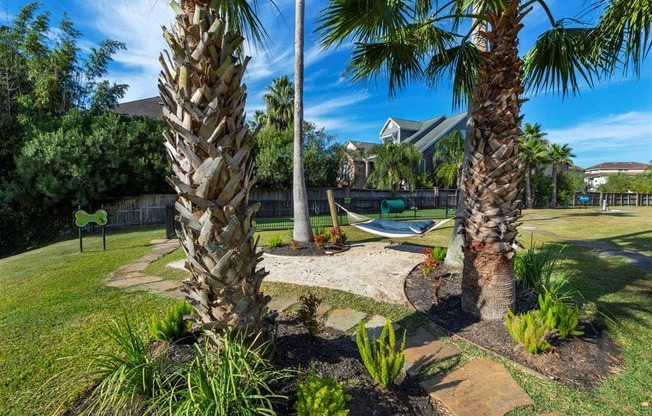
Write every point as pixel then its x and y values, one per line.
pixel 611 123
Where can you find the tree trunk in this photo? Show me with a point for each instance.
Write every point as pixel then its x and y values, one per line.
pixel 528 188
pixel 455 253
pixel 553 203
pixel 302 230
pixel 492 207
pixel 209 148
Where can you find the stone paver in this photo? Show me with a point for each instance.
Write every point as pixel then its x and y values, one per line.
pixel 133 267
pixel 282 303
pixel 160 286
pixel 481 387
pixel 149 258
pixel 121 276
pixel 322 309
pixel 344 319
pixel 175 294
pixel 422 349
pixel 375 326
pixel 134 281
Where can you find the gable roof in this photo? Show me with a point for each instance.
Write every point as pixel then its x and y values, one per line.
pixel 424 141
pixel 619 166
pixel 362 145
pixel 402 124
pixel 147 107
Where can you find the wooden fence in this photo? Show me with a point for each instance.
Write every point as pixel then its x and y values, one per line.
pixel 150 209
pixel 613 199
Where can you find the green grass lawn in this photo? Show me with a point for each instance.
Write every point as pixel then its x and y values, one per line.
pixel 55 306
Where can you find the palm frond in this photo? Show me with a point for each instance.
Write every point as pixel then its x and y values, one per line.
pixel 461 62
pixel 242 17
pixel 560 57
pixel 363 20
pixel 625 27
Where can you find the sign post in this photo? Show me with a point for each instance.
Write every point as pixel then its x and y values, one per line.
pixel 83 218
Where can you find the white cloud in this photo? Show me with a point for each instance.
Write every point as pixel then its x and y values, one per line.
pixel 612 138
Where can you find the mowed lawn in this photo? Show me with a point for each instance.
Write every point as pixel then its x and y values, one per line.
pixel 54 307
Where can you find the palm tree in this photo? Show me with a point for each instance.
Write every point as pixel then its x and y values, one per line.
pixel 408 40
pixel 533 131
pixel 209 147
pixel 448 158
pixel 280 103
pixel 533 152
pixel 395 165
pixel 558 156
pixel 302 229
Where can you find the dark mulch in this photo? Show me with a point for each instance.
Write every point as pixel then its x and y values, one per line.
pixel 335 355
pixel 580 361
pixel 305 249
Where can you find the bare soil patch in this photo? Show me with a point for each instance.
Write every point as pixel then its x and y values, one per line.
pixel 580 361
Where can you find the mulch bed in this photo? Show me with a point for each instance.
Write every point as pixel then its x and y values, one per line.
pixel 579 361
pixel 305 249
pixel 335 354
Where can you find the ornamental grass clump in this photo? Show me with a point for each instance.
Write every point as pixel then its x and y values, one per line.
pixel 227 377
pixel 380 357
pixel 320 396
pixel 129 378
pixel 174 325
pixel 275 241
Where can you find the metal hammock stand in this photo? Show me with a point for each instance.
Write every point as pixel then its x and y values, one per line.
pixel 391 228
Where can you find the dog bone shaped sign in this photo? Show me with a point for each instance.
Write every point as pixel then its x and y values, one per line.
pixel 83 218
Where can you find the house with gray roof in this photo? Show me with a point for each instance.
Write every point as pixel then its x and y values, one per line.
pixel 147 107
pixel 423 135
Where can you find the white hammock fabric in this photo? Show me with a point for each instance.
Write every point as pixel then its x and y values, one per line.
pixel 390 228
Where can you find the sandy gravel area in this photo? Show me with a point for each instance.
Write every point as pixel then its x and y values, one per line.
pixel 375 270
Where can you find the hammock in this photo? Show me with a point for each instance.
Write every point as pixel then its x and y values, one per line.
pixel 390 228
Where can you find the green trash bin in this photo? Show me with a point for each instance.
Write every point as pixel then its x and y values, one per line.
pixel 392 206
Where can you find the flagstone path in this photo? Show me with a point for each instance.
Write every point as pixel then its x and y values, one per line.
pixel 480 387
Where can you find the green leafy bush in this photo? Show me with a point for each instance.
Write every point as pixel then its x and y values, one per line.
pixel 380 357
pixel 225 378
pixel 308 314
pixel 173 326
pixel 320 396
pixel 556 315
pixel 275 241
pixel 527 330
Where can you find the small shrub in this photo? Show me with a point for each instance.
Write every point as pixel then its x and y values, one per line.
pixel 275 241
pixel 336 236
pixel 429 263
pixel 439 253
pixel 226 378
pixel 556 315
pixel 320 396
pixel 527 330
pixel 294 245
pixel 308 314
pixel 320 240
pixel 173 326
pixel 380 357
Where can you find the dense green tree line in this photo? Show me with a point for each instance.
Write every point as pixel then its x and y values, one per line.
pixel 59 145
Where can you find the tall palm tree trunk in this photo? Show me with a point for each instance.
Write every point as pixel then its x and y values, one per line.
pixel 455 254
pixel 553 202
pixel 209 148
pixel 302 230
pixel 488 287
pixel 528 187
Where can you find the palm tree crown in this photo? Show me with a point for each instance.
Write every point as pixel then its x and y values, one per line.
pixel 559 155
pixel 395 165
pixel 448 158
pixel 280 103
